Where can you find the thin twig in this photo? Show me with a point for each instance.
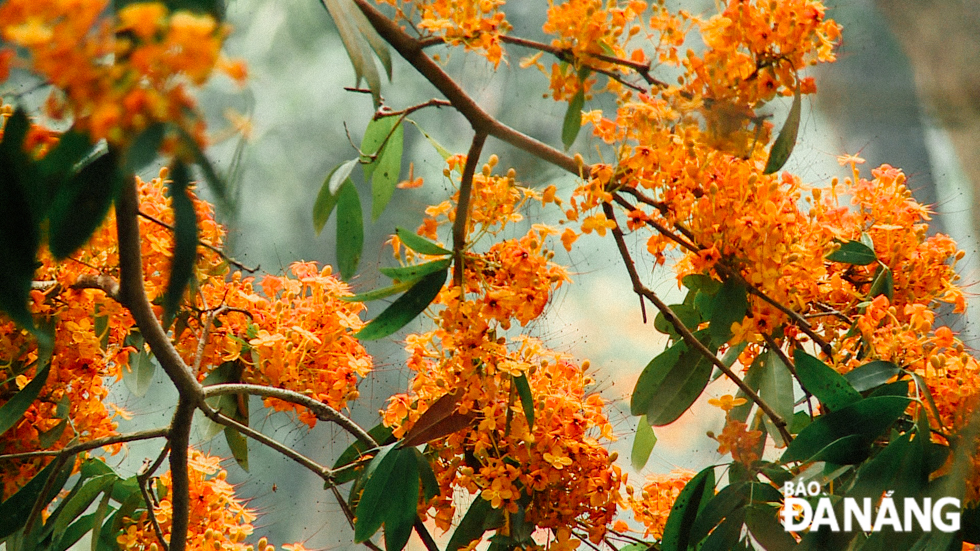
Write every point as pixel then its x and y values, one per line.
pixel 686 333
pixel 463 205
pixel 322 411
pixel 142 479
pixel 204 244
pixel 91 444
pixel 435 102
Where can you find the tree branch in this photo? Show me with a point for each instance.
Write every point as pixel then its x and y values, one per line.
pixel 91 444
pixel 686 333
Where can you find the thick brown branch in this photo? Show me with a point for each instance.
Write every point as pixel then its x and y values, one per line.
pixel 180 488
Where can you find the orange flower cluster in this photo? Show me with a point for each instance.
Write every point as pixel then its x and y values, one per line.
pixel 475 24
pixel 218 519
pixel 555 469
pixel 115 76
pixel 298 336
pixel 656 499
pixel 738 440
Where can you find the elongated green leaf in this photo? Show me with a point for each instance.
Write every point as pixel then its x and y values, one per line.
pixel 399 287
pixel 442 151
pixel 753 379
pixel 387 168
pixel 868 417
pixel 679 388
pixel 380 433
pixel 900 468
pixel 16 509
pixel 238 445
pixel 139 375
pixel 80 501
pixel 52 435
pixel 21 208
pixel 418 271
pixel 727 535
pixel 730 306
pixel 355 44
pixel 694 497
pixel 74 532
pixel 106 536
pixel 782 148
pixel 419 244
pixel 776 388
pixel 849 450
pixel 11 412
pixel 145 147
pixel 405 309
pixel 350 230
pixel 652 377
pixel 185 241
pixel 687 314
pixel 402 499
pixel 527 399
pixel 215 183
pixel 430 486
pixel 764 525
pixel 830 387
pixel 372 507
pixel 871 375
pixel 643 443
pixel 81 204
pixel 853 252
pixel 573 119
pixel 479 518
pixel 883 283
pixel 326 200
pixel 372 37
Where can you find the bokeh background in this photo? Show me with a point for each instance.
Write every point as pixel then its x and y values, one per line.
pixel 868 103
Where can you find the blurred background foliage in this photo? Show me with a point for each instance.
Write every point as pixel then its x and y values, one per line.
pixel 303 124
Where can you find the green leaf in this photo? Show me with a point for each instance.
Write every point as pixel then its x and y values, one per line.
pixel 416 272
pixel 573 119
pixel 430 486
pixel 527 399
pixel 401 500
pixel 900 468
pixel 144 148
pixel 350 230
pixel 643 443
pixel 373 506
pixel 871 375
pixel 380 433
pixel 81 204
pixel 730 499
pixel 80 501
pixel 419 244
pixel 730 306
pixel 830 387
pixel 652 377
pixel 215 183
pixel 12 411
pixel 326 200
pixel 679 388
pixel 238 445
pixel 687 314
pixel 764 525
pixel 853 252
pixel 185 241
pixel 479 518
pixel 782 148
pixel 442 151
pixel 354 42
pixel 753 379
pixel 106 538
pixel 405 309
pixel 776 388
pixel 867 418
pixel 399 287
pixel 387 169
pixel 141 367
pixel 372 37
pixel 883 283
pixel 727 535
pixel 16 509
pixel 22 204
pixel 689 502
pixel 74 532
pixel 48 438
